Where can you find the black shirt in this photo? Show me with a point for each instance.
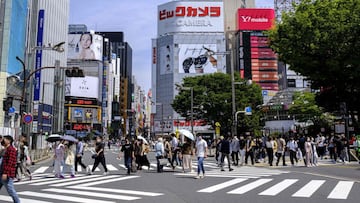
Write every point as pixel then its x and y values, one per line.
pixel 99 146
pixel 127 149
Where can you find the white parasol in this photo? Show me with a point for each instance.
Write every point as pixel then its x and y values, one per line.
pixel 187 134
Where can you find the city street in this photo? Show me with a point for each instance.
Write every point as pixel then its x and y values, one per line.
pixel 326 183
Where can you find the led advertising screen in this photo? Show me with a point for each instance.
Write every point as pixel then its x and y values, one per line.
pixel 196 58
pixel 87 87
pixel 255 19
pixel 192 16
pixel 85 46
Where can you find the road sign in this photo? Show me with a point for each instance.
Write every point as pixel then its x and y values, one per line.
pixel 12 110
pixel 248 111
pixel 27 118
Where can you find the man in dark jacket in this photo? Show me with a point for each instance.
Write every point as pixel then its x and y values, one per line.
pixel 225 152
pixel 8 167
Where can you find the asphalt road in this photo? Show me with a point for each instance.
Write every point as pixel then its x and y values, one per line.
pixel 260 183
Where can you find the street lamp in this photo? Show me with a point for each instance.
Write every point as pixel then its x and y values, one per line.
pixel 180 87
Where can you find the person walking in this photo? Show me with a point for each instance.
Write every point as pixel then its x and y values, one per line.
pixel 79 155
pixel 280 152
pixel 69 159
pixel 308 152
pixel 99 155
pixel 186 154
pixel 292 147
pixel 242 150
pixel 235 148
pixel 201 153
pixel 7 169
pixel 269 144
pixel 59 159
pixel 159 153
pixel 128 151
pixel 225 152
pixel 249 151
pixel 175 149
pixel 168 152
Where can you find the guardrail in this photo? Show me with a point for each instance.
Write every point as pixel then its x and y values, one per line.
pixel 40 154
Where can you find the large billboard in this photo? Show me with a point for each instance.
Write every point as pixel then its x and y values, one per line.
pixel 87 87
pixel 85 46
pixel 255 19
pixel 197 58
pixel 205 16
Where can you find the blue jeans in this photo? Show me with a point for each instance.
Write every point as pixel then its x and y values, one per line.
pixel 9 185
pixel 201 165
pixel 128 161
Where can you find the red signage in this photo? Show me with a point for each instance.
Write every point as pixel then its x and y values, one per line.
pixel 255 19
pixel 189 11
pixel 81 126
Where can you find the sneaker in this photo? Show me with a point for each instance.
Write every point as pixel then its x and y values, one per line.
pixel 87 169
pixel 61 176
pixel 197 177
pixel 203 176
pixel 72 176
pixel 222 169
pixel 90 173
pixel 106 173
pixel 231 169
pixel 30 177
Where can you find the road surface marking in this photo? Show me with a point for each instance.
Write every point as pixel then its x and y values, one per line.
pixel 107 181
pixel 130 192
pixel 222 185
pixel 57 180
pixel 42 169
pixel 23 200
pixel 276 189
pixel 309 189
pixel 110 167
pixel 97 168
pixel 92 194
pixel 250 186
pixel 73 182
pixel 63 197
pixel 341 190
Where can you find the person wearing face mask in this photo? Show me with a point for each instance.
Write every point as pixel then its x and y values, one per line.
pixel 99 155
pixel 7 170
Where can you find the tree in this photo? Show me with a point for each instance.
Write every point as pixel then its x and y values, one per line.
pixel 212 100
pixel 320 40
pixel 304 108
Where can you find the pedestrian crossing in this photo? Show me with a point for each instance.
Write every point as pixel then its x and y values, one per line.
pixel 81 189
pixel 122 167
pixel 340 190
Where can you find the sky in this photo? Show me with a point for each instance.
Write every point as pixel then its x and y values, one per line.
pixel 136 18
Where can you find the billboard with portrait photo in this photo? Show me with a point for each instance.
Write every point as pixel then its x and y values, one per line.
pixel 85 46
pixel 197 58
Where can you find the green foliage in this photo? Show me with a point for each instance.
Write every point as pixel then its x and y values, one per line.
pixel 320 39
pixel 304 106
pixel 212 100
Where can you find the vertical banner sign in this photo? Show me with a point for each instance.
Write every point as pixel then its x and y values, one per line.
pixel 39 43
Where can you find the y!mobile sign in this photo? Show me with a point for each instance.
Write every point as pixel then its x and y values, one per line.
pixel 190 17
pixel 255 19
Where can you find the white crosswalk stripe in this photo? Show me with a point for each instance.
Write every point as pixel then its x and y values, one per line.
pixel 81 189
pixel 270 188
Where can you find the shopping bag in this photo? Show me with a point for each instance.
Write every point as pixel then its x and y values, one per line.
pixel 163 161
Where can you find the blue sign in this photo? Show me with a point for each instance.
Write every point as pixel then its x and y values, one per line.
pixel 39 43
pixel 27 118
pixel 248 110
pixel 265 93
pixel 11 110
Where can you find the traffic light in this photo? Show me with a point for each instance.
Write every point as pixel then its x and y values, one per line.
pixel 7 104
pixel 74 72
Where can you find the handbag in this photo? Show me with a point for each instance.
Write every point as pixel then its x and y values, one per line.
pixel 28 161
pixel 163 161
pixel 94 156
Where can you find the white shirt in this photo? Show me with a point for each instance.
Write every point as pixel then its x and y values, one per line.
pixel 201 146
pixel 292 145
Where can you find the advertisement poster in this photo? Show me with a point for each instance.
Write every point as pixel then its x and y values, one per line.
pixel 197 58
pixel 87 87
pixel 85 46
pixel 255 19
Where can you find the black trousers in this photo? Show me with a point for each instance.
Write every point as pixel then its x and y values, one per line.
pixel 78 160
pixel 279 155
pixel 99 159
pixel 235 157
pixel 223 155
pixel 292 157
pixel 270 153
pixel 251 154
